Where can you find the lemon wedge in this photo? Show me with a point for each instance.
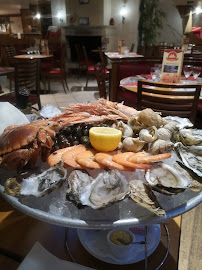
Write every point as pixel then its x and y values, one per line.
pixel 104 138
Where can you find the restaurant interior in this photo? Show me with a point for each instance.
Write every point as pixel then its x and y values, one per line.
pixel 55 54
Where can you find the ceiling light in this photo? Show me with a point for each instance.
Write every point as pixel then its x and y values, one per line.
pixel 198 10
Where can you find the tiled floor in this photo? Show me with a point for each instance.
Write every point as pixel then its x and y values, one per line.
pixel 57 96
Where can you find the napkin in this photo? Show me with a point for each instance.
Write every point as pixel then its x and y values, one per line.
pixel 132 84
pixel 40 258
pixel 10 115
pixel 189 79
pixel 148 77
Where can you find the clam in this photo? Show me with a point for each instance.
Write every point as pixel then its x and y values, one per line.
pixel 160 146
pixel 167 179
pixel 108 187
pixel 148 135
pixel 125 129
pixel 133 144
pixel 144 196
pixel 135 124
pixel 164 134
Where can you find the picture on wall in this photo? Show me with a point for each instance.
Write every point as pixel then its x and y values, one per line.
pixel 4 24
pixel 84 21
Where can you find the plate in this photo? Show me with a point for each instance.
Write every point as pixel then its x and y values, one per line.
pixel 132 81
pixel 95 242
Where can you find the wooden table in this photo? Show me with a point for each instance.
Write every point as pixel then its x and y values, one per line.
pixel 33 56
pixel 134 88
pixel 116 59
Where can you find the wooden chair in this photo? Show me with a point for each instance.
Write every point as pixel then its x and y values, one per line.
pixel 101 82
pixel 132 47
pixel 169 99
pixel 90 66
pixel 103 62
pixel 26 75
pixel 56 73
pixel 8 53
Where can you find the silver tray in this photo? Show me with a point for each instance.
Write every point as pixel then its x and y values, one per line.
pixel 125 213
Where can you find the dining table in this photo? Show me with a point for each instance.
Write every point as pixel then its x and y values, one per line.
pixel 116 59
pixel 130 83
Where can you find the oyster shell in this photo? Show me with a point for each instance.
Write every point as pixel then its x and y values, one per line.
pixel 108 187
pixel 77 181
pixel 191 157
pixel 188 136
pixel 39 185
pixel 181 122
pixel 167 179
pixel 144 196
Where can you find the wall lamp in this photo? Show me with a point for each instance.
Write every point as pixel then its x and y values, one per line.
pixel 198 9
pixel 59 16
pixel 123 11
pixel 38 16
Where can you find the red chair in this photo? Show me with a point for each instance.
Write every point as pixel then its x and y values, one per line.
pixel 56 73
pixel 90 67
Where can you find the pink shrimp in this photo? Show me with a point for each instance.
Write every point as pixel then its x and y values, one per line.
pixel 123 160
pixel 70 156
pixel 148 159
pixel 106 159
pixel 87 159
pixel 56 156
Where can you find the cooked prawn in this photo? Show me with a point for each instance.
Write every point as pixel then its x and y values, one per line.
pixel 87 159
pixel 56 156
pixel 70 156
pixel 147 159
pixel 106 159
pixel 123 160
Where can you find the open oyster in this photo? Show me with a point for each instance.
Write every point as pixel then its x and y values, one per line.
pixel 108 187
pixel 167 179
pixel 188 136
pixel 144 196
pixel 191 157
pixel 37 185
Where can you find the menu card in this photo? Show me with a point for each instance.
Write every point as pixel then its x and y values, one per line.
pixel 172 66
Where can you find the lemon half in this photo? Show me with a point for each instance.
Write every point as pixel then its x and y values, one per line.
pixel 104 138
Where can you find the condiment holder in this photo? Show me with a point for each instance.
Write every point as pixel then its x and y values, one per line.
pixel 120 242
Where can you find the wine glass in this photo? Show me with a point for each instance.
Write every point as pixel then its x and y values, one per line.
pixel 196 72
pixel 153 73
pixel 187 71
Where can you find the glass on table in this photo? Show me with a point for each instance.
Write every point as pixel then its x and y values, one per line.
pixel 187 71
pixel 196 72
pixel 153 73
pixel 126 50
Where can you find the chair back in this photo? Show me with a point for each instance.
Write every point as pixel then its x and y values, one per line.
pixel 85 56
pixel 102 59
pixel 8 54
pixel 100 76
pixel 132 47
pixel 79 52
pixel 27 75
pixel 169 99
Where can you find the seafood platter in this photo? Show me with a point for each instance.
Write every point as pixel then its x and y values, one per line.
pixel 102 165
